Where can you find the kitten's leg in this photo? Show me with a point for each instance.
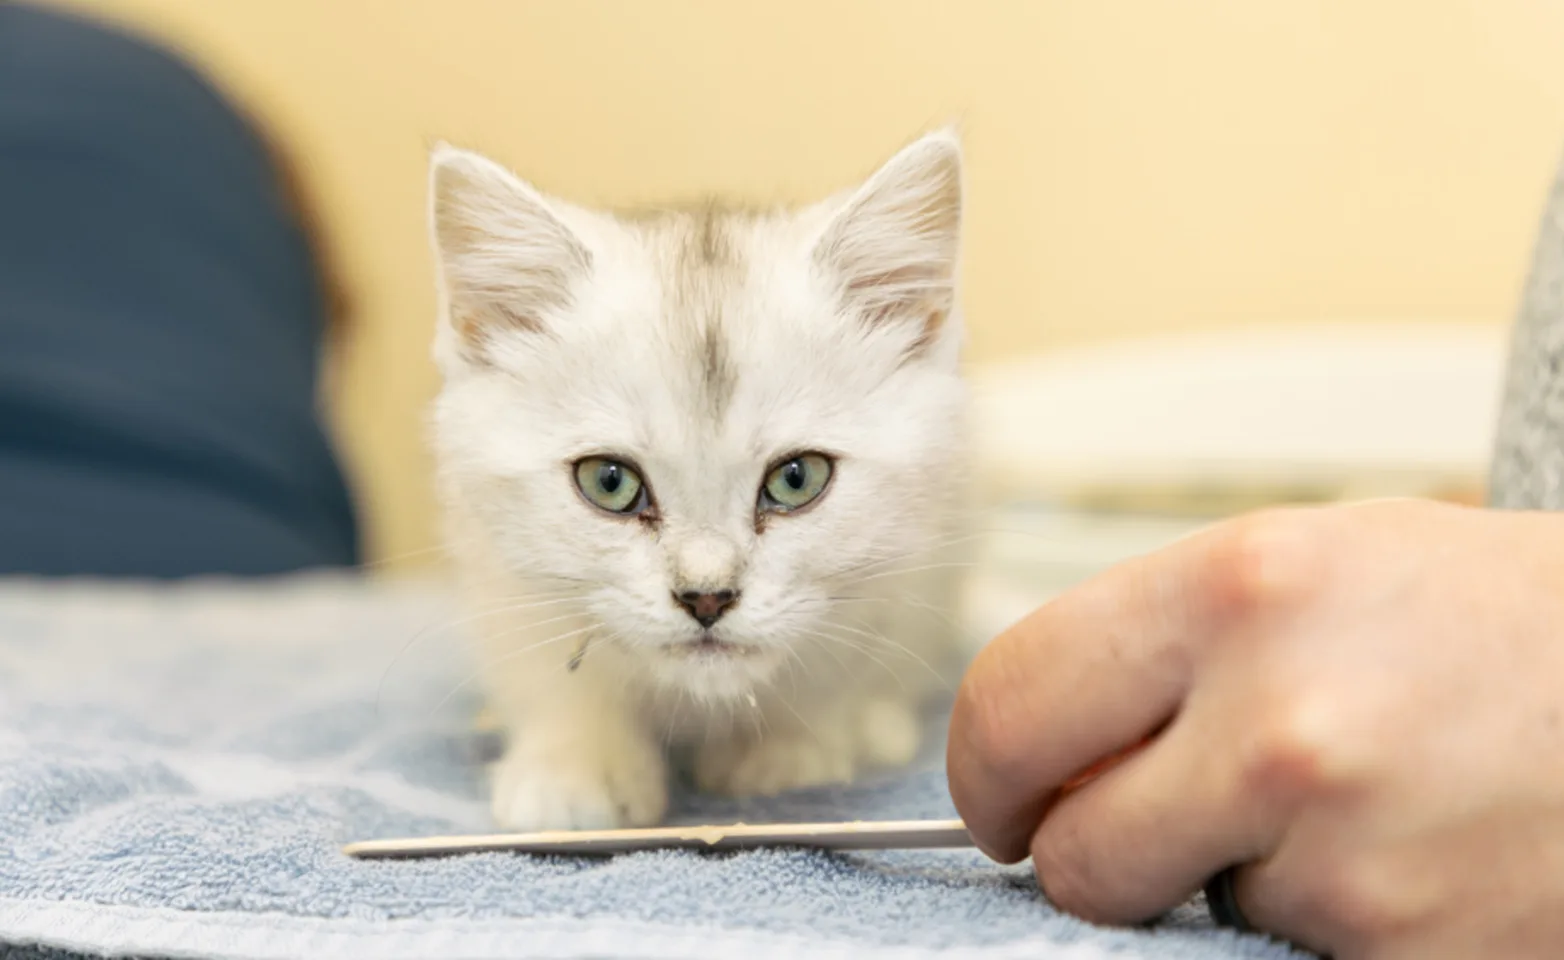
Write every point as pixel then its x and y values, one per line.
pixel 783 757
pixel 578 756
pixel 607 777
pixel 840 739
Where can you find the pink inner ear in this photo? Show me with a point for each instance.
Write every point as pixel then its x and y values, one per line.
pixel 895 248
pixel 473 320
pixel 507 257
pixel 910 292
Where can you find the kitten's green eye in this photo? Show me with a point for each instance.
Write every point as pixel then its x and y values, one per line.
pixel 611 485
pixel 795 483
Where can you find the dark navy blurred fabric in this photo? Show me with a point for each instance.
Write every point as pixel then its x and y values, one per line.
pixel 160 320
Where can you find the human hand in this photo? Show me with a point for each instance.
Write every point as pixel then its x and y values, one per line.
pixel 1360 706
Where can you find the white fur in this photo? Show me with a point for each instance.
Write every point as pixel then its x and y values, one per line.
pixel 566 333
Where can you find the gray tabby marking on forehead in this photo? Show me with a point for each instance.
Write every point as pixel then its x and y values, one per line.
pixel 703 261
pixel 718 374
pixel 704 232
pixel 709 250
pixel 708 240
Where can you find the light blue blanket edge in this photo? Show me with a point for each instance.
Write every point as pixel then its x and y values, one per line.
pixel 131 931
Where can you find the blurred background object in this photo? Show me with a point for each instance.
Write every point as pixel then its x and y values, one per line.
pixel 161 314
pixel 1208 423
pixel 1195 231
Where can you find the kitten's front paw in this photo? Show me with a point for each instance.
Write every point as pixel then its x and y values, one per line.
pixel 885 733
pixel 567 783
pixel 774 764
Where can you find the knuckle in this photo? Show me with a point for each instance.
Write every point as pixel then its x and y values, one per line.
pixel 1268 560
pixel 1295 750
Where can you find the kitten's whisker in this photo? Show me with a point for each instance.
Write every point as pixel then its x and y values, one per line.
pixel 793 659
pixel 918 552
pixel 478 674
pixel 880 557
pixel 911 570
pixel 560 577
pixel 819 640
pixel 892 598
pixel 593 638
pixel 382 562
pixel 859 647
pixel 534 624
pixel 448 544
pixel 944 613
pixel 448 625
pixel 757 718
pixel 509 599
pixel 898 648
pixel 800 717
pixel 839 661
pixel 677 714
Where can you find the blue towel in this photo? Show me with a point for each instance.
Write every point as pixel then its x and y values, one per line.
pixel 179 765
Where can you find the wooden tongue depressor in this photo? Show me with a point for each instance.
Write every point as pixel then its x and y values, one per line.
pixel 851 835
pixel 844 835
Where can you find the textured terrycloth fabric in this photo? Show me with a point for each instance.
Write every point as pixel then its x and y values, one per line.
pixel 179 765
pixel 1528 466
pixel 160 320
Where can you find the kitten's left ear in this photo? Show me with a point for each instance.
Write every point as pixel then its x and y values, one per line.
pixel 893 245
pixel 506 259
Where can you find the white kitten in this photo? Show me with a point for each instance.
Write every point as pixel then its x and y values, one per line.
pixel 702 471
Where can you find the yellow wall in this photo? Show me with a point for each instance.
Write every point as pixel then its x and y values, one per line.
pixel 1134 166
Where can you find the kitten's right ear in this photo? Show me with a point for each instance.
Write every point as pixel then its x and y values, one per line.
pixel 505 258
pixel 893 245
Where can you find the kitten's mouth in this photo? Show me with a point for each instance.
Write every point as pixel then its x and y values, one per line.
pixel 710 646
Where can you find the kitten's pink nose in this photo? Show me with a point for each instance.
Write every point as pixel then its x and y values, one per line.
pixel 706 608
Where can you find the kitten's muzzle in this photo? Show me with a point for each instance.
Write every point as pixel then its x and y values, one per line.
pixel 706 608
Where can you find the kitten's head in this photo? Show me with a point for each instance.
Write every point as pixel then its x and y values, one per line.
pixel 707 425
